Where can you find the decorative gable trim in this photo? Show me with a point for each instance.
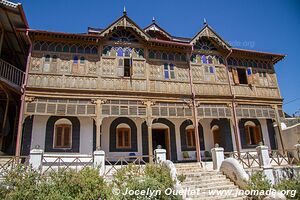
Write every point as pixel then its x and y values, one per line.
pixel 208 32
pixel 155 27
pixel 125 21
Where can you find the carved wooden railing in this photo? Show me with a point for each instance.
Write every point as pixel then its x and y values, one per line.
pixel 282 158
pixel 115 163
pixel 9 163
pixel 256 91
pixel 11 73
pixel 53 163
pixel 247 159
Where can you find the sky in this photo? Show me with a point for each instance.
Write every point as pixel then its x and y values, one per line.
pixel 263 25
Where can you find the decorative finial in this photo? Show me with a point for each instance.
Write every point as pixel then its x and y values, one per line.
pixel 124 11
pixel 153 19
pixel 204 21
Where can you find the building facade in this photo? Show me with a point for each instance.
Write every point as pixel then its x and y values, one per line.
pixel 126 90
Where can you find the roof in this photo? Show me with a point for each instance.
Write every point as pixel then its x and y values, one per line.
pixel 165 37
pixel 15 44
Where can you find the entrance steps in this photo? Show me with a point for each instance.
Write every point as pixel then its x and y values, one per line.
pixel 205 184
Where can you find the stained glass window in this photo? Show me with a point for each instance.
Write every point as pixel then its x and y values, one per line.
pixel 203 58
pixel 75 60
pixel 123 35
pixel 120 52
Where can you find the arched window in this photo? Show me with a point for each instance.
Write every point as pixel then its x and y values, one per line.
pixel 75 60
pixel 52 47
pixel 58 48
pixel 87 50
pixel 80 49
pixel 44 47
pixel 94 50
pixel 66 48
pixel 37 46
pixel 177 57
pixel 62 134
pixel 123 136
pixel 164 56
pixel 151 55
pixel 171 56
pixel 158 56
pixel 82 60
pixel 73 49
pixel 190 136
pixel 252 133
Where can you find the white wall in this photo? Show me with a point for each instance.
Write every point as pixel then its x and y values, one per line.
pixel 86 133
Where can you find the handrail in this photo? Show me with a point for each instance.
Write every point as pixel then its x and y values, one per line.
pixel 11 73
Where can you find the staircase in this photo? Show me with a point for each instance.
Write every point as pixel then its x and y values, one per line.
pixel 206 183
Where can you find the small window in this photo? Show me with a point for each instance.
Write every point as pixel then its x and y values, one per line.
pixel 47 58
pixel 190 138
pixel 123 138
pixel 242 76
pixel 54 58
pixel 75 60
pixel 193 58
pixel 127 67
pixel 169 71
pixel 82 60
pixel 166 71
pixel 211 69
pixel 63 135
pixel 66 48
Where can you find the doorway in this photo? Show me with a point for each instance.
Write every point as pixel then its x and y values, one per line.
pixel 161 137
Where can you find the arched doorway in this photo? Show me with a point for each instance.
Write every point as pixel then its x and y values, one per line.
pixel 161 137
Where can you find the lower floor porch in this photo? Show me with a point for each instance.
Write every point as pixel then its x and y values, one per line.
pixel 129 136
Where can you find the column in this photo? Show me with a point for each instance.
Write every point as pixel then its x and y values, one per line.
pixel 98 120
pixel 265 162
pixel 99 161
pixel 149 121
pixel 160 155
pixel 217 156
pixel 278 121
pixel 35 158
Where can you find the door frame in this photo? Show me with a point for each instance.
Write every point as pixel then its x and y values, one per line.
pixel 167 140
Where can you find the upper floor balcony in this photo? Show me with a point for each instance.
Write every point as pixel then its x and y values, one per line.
pixel 11 76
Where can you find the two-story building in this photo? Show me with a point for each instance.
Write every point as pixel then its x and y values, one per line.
pixel 126 89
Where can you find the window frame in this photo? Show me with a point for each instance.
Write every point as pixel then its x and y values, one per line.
pixel 246 82
pixel 121 130
pixel 190 133
pixel 256 135
pixel 169 74
pixel 62 146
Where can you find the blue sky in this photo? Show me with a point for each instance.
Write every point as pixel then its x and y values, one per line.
pixel 269 25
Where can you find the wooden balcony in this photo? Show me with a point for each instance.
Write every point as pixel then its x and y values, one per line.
pixel 11 76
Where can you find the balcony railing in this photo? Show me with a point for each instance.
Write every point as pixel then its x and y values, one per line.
pixel 11 74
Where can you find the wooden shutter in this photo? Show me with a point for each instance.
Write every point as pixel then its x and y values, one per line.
pixel 121 67
pixel 235 75
pixel 249 75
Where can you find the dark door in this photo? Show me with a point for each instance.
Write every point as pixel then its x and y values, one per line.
pixel 160 137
